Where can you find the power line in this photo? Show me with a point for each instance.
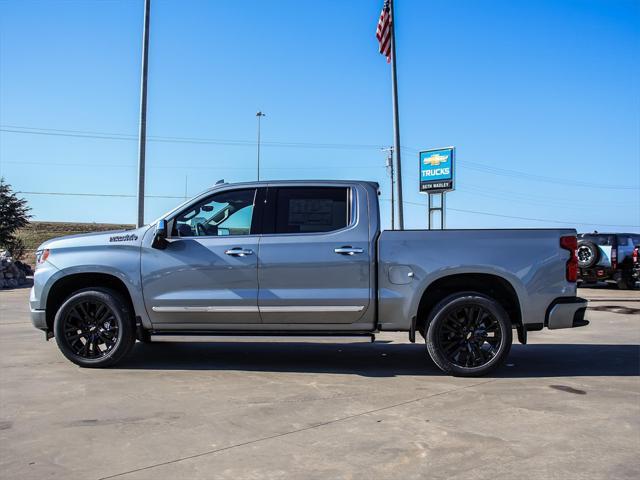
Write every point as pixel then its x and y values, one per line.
pixel 484 168
pixel 180 167
pixel 117 195
pixel 516 174
pixel 464 188
pixel 194 140
pixel 124 195
pixel 559 222
pixel 534 200
pixel 475 166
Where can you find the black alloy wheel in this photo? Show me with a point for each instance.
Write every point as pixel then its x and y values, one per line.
pixel 468 334
pixel 90 329
pixel 94 328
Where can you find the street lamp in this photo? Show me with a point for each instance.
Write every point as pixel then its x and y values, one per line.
pixel 259 115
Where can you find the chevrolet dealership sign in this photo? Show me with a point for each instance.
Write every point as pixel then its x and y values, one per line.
pixel 436 170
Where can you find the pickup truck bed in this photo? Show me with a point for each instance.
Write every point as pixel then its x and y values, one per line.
pixel 529 263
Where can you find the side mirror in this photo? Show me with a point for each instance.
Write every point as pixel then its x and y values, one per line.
pixel 160 235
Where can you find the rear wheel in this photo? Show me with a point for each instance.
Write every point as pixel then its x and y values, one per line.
pixel 94 328
pixel 468 334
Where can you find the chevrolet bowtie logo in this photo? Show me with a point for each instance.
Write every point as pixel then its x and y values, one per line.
pixel 436 159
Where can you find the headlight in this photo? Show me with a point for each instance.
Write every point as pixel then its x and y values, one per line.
pixel 41 256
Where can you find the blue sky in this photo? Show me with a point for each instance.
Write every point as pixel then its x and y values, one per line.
pixel 541 99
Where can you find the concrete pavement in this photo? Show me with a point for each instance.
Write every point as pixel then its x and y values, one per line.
pixel 566 406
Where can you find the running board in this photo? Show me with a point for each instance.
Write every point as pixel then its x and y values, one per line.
pixel 268 333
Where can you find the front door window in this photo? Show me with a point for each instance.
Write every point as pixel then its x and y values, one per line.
pixel 223 214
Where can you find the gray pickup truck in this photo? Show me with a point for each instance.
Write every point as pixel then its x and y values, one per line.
pixel 304 258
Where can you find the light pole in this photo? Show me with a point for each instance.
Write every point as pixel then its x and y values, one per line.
pixel 259 115
pixel 142 133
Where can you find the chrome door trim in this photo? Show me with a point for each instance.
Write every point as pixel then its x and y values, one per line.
pixel 312 308
pixel 281 309
pixel 211 309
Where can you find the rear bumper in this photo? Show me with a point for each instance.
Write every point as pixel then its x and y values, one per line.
pixel 566 312
pixel 593 274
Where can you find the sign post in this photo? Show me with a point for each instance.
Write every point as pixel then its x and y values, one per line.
pixel 436 179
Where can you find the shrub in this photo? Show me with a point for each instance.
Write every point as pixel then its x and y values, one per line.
pixel 14 214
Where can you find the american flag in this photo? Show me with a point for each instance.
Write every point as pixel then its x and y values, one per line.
pixel 383 32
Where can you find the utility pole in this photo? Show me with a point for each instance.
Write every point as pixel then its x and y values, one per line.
pixel 391 172
pixel 142 133
pixel 396 121
pixel 259 115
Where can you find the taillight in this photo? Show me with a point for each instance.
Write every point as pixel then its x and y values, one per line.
pixel 635 255
pixel 570 242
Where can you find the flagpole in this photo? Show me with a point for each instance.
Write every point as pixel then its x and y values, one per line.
pixel 142 139
pixel 396 121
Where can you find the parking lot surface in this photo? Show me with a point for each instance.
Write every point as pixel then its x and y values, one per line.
pixel 566 406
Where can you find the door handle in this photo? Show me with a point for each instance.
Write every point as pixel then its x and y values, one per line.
pixel 239 252
pixel 348 250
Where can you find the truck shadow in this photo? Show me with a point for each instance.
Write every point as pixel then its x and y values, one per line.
pixel 379 359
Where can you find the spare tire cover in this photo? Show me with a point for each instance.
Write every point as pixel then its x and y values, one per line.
pixel 588 254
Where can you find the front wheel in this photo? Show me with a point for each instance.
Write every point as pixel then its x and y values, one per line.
pixel 94 328
pixel 468 334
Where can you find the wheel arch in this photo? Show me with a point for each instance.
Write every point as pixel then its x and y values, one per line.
pixel 491 285
pixel 64 286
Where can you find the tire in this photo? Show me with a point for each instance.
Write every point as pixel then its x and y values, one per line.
pixel 94 328
pixel 588 254
pixel 459 344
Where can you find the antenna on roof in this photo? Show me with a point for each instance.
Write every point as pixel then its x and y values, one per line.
pixel 220 182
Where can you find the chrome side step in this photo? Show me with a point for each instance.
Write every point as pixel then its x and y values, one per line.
pixel 285 335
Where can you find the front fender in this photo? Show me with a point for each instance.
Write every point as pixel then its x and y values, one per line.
pixel 130 279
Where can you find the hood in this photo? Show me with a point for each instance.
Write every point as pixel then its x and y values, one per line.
pixel 111 237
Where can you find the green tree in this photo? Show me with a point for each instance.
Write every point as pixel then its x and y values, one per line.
pixel 14 214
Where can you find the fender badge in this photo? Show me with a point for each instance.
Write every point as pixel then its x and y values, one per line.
pixel 124 238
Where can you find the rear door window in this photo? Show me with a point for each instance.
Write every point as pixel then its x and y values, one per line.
pixel 309 210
